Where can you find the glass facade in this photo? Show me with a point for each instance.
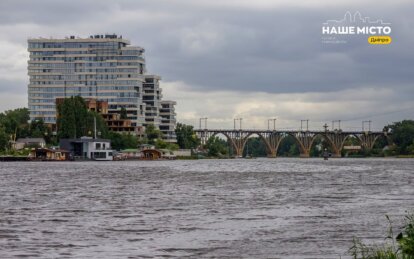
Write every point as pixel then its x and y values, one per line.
pixel 151 97
pixel 168 120
pixel 103 67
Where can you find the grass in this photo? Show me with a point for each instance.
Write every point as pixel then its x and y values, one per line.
pixel 397 247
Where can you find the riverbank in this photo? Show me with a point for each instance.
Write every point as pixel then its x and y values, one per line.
pixel 27 159
pixel 405 156
pixel 13 158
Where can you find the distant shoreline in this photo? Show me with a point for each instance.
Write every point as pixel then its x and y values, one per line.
pixel 25 159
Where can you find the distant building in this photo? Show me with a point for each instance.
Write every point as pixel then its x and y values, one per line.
pixel 88 148
pixel 159 113
pixel 151 154
pixel 131 153
pixel 47 154
pixel 101 67
pixel 168 121
pixel 29 142
pixel 115 123
pixel 182 152
pixel 151 98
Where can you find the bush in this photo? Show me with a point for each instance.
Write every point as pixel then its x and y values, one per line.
pixel 399 247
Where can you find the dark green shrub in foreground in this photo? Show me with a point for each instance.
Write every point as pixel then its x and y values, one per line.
pixel 406 241
pixel 400 247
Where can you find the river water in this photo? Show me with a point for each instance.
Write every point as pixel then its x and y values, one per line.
pixel 244 208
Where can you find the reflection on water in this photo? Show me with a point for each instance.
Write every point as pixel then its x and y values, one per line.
pixel 261 208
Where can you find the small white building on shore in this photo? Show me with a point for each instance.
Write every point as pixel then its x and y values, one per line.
pixel 88 148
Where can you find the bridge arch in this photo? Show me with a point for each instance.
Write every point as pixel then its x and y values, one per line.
pixel 304 139
pixel 262 138
pixel 368 140
pixel 346 138
pixel 329 140
pixel 231 140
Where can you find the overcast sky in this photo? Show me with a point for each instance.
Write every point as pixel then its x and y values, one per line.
pixel 226 59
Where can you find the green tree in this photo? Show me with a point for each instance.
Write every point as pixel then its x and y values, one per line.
pixel 101 126
pixel 74 119
pixel 317 147
pixel 116 140
pixel 161 144
pixel 256 147
pixel 71 117
pixel 38 129
pixel 186 137
pixel 217 146
pixel 121 141
pixel 288 147
pixel 15 122
pixel 152 134
pixel 129 141
pixel 410 148
pixel 4 139
pixel 402 136
pixel 124 114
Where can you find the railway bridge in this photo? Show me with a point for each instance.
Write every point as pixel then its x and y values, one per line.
pixel 305 138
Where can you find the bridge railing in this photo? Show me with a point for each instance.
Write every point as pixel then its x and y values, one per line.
pixel 290 131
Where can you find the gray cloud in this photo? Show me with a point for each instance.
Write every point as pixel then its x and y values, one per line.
pixel 351 106
pixel 239 46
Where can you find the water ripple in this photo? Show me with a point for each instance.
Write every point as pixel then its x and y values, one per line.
pixel 261 208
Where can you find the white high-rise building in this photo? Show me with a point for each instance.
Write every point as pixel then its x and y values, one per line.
pixel 151 97
pixel 168 120
pixel 101 67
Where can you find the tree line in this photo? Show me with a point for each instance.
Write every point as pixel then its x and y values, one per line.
pixel 75 120
pixel 15 124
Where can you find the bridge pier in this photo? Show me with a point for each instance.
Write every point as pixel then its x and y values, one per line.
pixel 305 140
pixel 367 140
pixel 238 152
pixel 272 154
pixel 272 139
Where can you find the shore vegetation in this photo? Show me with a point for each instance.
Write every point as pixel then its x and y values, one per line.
pixel 396 246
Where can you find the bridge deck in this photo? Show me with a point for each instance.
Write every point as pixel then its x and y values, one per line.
pixel 288 131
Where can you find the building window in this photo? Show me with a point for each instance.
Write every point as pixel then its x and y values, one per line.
pixel 99 155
